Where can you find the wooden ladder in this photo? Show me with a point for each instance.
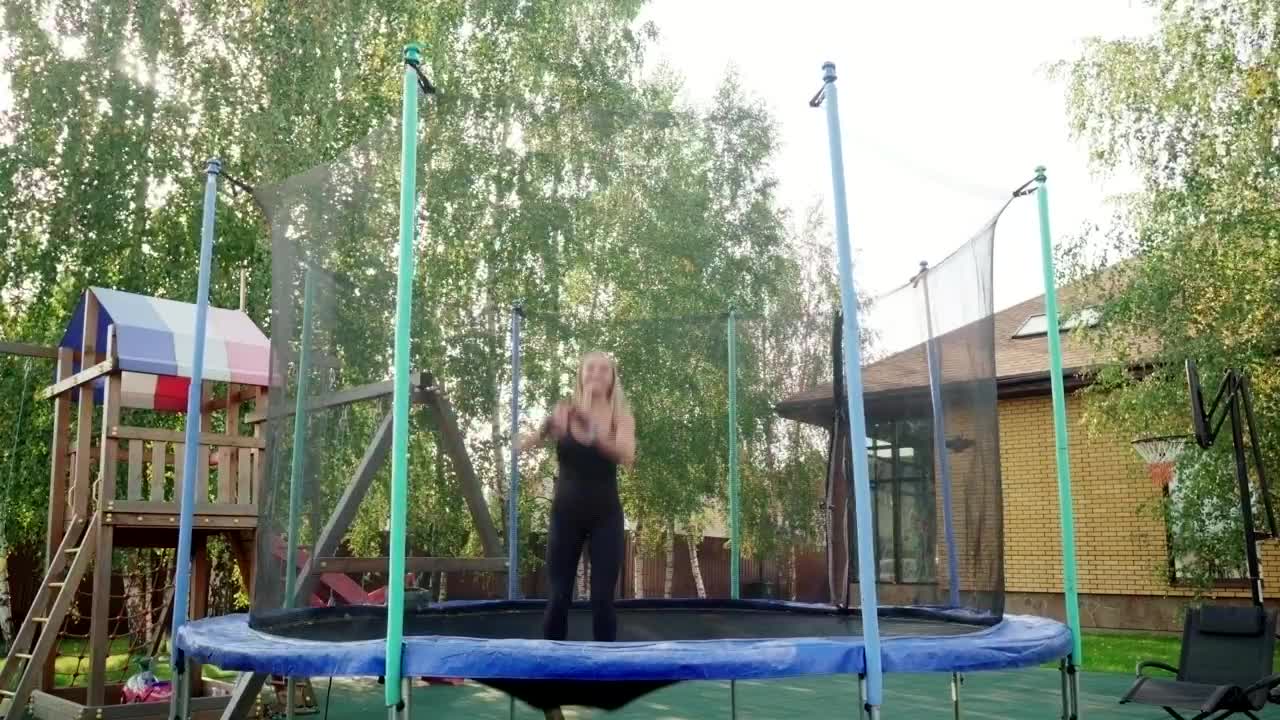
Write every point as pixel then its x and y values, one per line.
pixel 39 632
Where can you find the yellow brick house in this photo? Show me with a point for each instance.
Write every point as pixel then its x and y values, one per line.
pixel 1125 575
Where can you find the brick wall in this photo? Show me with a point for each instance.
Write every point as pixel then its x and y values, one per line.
pixel 1120 542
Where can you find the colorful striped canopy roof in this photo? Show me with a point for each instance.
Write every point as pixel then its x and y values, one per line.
pixel 155 340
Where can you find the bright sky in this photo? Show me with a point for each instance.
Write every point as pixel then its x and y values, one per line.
pixel 945 108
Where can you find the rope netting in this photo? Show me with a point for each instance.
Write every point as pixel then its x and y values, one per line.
pixel 1161 456
pixel 140 597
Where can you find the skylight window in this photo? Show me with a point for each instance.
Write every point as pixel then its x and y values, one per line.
pixel 1038 325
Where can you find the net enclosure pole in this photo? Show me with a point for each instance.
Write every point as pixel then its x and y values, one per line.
pixel 735 515
pixel 1070 583
pixel 187 503
pixel 400 394
pixel 857 418
pixel 513 486
pixel 298 460
pixel 940 440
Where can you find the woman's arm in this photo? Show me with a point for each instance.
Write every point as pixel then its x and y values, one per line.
pixel 619 445
pixel 553 427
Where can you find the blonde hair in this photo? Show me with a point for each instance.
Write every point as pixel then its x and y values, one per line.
pixel 617 397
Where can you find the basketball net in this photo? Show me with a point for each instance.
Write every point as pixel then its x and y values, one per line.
pixel 1161 473
pixel 1161 455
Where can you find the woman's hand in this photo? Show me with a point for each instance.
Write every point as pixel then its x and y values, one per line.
pixel 558 422
pixel 528 441
pixel 618 442
pixel 555 426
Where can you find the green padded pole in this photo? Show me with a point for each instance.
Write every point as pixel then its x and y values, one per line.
pixel 400 397
pixel 1070 584
pixel 735 491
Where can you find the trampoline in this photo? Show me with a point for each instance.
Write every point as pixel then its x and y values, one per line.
pixel 351 481
pixel 497 643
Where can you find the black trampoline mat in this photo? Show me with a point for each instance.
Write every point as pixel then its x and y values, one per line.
pixel 638 621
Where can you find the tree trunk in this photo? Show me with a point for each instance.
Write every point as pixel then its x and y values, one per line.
pixel 637 563
pixel 792 572
pixel 500 480
pixel 6 603
pixel 584 576
pixel 444 586
pixel 768 417
pixel 669 580
pixel 697 568
pixel 135 593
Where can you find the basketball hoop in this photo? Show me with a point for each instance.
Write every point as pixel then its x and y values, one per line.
pixel 1161 455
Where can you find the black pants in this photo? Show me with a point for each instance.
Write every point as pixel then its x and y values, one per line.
pixel 570 528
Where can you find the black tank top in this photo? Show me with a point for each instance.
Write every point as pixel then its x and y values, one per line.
pixel 588 480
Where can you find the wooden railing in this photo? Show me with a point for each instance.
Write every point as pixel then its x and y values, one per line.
pixel 228 467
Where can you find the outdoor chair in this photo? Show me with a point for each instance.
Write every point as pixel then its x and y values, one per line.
pixel 1225 668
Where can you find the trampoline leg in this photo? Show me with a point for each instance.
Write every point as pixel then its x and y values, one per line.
pixel 1073 673
pixel 733 700
pixel 1070 689
pixel 183 690
pixel 873 711
pixel 400 711
pixel 956 681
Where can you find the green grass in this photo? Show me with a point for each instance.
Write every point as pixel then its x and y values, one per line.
pixel 1120 652
pixel 70 665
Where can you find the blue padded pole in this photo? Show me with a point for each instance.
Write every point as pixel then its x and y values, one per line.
pixel 187 502
pixel 940 441
pixel 513 487
pixel 857 418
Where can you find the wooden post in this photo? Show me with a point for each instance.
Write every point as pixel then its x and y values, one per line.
pixel 260 407
pixel 203 453
pixel 80 487
pixel 100 617
pixel 57 522
pixel 58 475
pixel 135 469
pixel 159 461
pixel 201 570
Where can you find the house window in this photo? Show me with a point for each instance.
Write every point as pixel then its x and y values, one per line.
pixel 901 458
pixel 1038 325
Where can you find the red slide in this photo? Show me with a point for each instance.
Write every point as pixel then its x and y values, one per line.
pixel 346 589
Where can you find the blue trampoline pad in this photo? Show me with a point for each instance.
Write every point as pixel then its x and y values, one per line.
pixel 660 642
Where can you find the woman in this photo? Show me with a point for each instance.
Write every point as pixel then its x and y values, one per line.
pixel 594 433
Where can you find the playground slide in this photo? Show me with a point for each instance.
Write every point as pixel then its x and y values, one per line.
pixel 341 586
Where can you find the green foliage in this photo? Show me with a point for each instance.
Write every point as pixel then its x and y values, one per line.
pixel 1193 110
pixel 24 452
pixel 554 171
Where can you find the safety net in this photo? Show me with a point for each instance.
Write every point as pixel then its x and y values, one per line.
pixel 932 439
pixel 573 222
